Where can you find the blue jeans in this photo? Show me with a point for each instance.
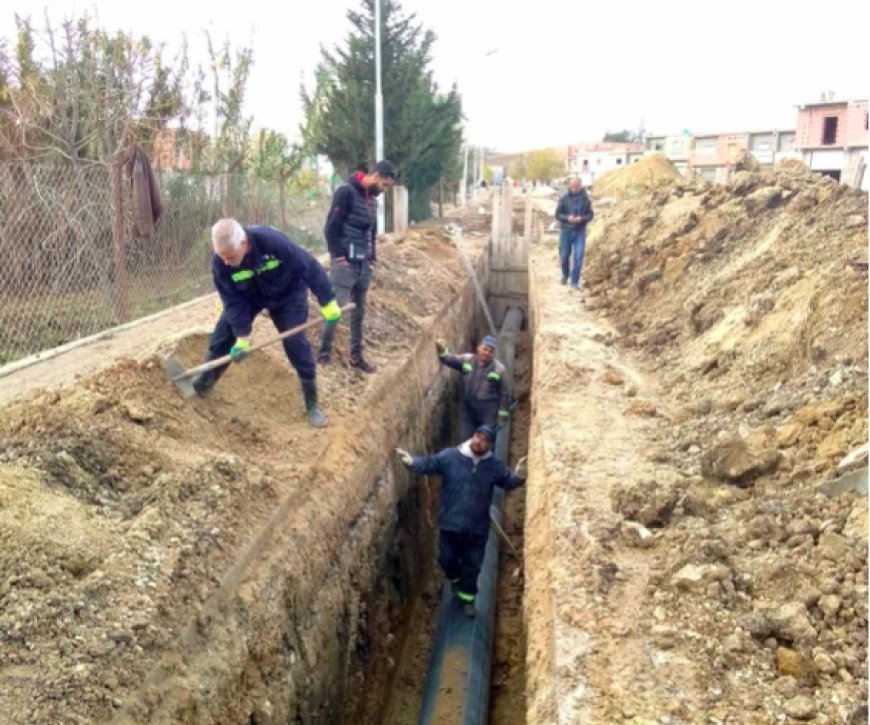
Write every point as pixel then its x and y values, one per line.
pixel 572 240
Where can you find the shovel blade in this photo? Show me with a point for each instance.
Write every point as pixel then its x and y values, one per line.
pixel 176 372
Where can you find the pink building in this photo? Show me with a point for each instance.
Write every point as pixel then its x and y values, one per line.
pixel 832 135
pixel 713 154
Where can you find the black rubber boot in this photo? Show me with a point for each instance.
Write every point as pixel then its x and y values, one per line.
pixel 309 391
pixel 205 382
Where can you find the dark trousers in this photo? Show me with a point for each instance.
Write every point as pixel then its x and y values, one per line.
pixel 461 556
pixel 298 349
pixel 351 282
pixel 472 415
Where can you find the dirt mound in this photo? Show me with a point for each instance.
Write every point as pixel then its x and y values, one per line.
pixel 744 299
pixel 122 505
pixel 651 172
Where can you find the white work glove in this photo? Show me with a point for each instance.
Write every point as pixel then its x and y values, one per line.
pixel 521 469
pixel 404 456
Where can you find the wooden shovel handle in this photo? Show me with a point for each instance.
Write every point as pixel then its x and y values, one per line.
pixel 205 367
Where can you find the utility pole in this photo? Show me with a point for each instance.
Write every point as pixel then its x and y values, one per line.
pixel 379 113
pixel 463 195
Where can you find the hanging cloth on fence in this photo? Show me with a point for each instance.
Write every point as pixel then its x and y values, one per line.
pixel 147 207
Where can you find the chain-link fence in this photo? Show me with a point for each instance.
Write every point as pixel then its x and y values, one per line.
pixel 62 275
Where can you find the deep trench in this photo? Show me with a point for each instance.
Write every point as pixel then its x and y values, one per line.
pixel 389 688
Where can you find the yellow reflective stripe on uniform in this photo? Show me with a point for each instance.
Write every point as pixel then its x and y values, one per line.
pixel 464 596
pixel 246 274
pixel 495 377
pixel 269 265
pixel 467 367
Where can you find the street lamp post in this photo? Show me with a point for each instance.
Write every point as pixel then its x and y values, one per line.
pixel 379 113
pixel 463 190
pixel 477 163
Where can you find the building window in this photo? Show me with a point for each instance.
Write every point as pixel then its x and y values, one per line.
pixel 786 142
pixel 761 143
pixel 706 146
pixel 619 162
pixel 829 131
pixel 659 147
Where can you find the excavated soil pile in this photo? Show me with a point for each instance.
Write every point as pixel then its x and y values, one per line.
pixel 746 301
pixel 122 506
pixel 651 172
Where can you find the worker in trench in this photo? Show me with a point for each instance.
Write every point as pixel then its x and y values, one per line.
pixel 351 237
pixel 254 269
pixel 485 392
pixel 469 472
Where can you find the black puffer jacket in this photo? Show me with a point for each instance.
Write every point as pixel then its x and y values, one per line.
pixel 351 225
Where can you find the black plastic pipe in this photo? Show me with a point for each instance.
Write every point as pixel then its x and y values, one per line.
pixel 458 681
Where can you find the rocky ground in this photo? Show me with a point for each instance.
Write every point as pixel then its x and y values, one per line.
pixel 748 302
pixel 122 506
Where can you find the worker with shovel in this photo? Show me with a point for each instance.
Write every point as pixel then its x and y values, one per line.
pixel 485 392
pixel 258 268
pixel 468 474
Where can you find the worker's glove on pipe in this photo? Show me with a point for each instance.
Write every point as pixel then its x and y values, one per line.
pixel 331 311
pixel 239 351
pixel 441 348
pixel 521 469
pixel 404 457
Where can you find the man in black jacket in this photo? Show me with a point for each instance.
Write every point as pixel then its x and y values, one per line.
pixel 351 236
pixel 574 212
pixel 258 268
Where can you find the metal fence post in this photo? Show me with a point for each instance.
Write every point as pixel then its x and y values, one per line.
pixel 120 270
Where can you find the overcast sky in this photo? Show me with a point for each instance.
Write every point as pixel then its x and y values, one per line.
pixel 563 71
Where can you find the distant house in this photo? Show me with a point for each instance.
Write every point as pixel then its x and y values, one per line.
pixel 832 138
pixel 712 155
pixel 590 160
pixel 677 148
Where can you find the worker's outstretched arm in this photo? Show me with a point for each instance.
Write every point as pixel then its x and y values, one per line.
pixel 423 465
pixel 462 363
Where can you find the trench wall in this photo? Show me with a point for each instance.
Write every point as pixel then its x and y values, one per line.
pixel 297 631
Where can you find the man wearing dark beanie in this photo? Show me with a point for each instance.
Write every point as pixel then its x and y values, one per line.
pixel 468 473
pixel 485 392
